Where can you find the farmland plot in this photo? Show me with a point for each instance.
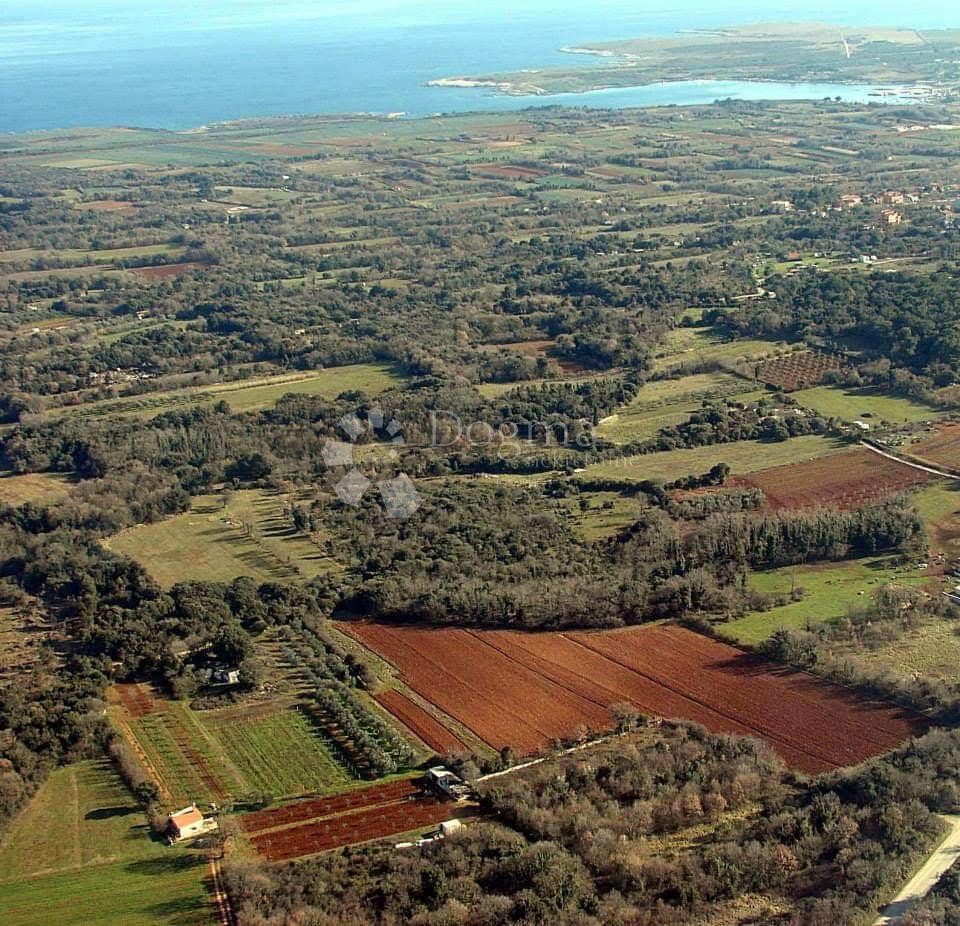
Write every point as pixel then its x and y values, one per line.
pixel 424 725
pixel 313 826
pixel 81 853
pixel 942 449
pixel 741 457
pixel 527 690
pixel 278 754
pixel 211 755
pixel 797 370
pixel 848 480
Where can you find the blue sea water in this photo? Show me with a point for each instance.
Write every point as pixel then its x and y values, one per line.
pixel 181 63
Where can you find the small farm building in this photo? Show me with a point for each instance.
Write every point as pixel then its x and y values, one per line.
pixel 447 784
pixel 188 822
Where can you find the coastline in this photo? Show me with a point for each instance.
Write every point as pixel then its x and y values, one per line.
pixel 904 92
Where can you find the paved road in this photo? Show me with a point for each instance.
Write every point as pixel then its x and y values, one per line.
pixel 923 881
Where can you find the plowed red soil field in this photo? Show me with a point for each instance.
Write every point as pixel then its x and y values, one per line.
pixel 847 480
pixel 415 718
pixel 327 806
pixel 315 826
pixel 526 690
pixel 350 829
pixel 136 699
pixel 106 205
pixel 943 448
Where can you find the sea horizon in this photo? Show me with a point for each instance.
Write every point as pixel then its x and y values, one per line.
pixel 233 61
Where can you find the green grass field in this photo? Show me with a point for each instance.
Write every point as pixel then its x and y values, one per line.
pixel 495 390
pixel 598 522
pixel 81 853
pixel 829 592
pixel 930 651
pixel 668 402
pixel 741 457
pixel 688 346
pixel 279 754
pixel 867 404
pixel 213 755
pixel 91 256
pixel 148 892
pixel 39 488
pixel 938 504
pixel 248 395
pixel 249 535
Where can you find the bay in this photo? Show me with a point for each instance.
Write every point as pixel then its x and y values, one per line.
pixel 173 64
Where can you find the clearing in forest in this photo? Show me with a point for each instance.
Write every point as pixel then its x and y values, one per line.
pixel 741 457
pixel 221 537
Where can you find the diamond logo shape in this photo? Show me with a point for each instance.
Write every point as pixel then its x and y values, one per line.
pixel 350 490
pixel 337 453
pixel 375 417
pixel 352 426
pixel 400 497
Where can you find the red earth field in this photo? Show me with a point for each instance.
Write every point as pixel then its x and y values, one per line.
pixel 107 205
pixel 847 480
pixel 942 449
pixel 136 699
pixel 424 725
pixel 315 826
pixel 525 690
pixel 163 271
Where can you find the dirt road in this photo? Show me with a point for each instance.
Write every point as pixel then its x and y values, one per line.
pixel 923 881
pixel 923 469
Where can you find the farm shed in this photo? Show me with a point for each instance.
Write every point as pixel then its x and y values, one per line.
pixel 187 823
pixel 226 676
pixel 447 784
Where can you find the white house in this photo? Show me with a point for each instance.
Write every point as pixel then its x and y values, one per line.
pixel 189 822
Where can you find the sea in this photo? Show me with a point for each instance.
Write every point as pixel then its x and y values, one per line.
pixel 178 64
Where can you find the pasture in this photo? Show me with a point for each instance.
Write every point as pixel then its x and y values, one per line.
pixel 221 537
pixel 931 650
pixel 81 852
pixel 664 403
pixel 741 457
pixel 602 515
pixel 866 404
pixel 686 347
pixel 829 591
pixel 248 395
pixel 37 488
